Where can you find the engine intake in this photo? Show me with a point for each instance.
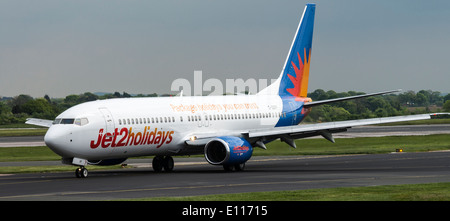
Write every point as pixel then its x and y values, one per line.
pixel 228 150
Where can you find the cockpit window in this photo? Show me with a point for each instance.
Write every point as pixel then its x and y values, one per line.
pixel 67 121
pixel 81 121
pixel 76 121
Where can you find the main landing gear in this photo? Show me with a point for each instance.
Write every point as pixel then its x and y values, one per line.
pixel 234 167
pixel 163 162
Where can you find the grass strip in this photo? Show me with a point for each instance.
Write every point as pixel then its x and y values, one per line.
pixel 406 192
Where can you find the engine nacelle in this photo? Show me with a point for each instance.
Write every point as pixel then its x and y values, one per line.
pixel 228 150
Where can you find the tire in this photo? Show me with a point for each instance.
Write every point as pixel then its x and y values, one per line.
pixel 81 172
pixel 228 168
pixel 84 172
pixel 239 167
pixel 168 164
pixel 78 172
pixel 157 163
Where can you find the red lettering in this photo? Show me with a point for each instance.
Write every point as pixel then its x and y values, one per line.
pixel 130 135
pixel 136 140
pixel 163 138
pixel 151 137
pixel 158 137
pixel 106 140
pixel 128 138
pixel 121 142
pixel 170 137
pixel 144 136
pixel 116 132
pixel 99 139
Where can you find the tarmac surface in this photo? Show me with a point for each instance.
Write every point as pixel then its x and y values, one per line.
pixel 193 176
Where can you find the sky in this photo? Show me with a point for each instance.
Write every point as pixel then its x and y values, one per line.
pixel 61 47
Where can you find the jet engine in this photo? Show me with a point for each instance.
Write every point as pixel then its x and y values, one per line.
pixel 228 151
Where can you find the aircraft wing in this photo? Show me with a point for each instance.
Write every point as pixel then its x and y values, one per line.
pixel 39 122
pixel 287 134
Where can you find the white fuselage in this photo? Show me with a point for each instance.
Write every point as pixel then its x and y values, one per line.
pixel 127 127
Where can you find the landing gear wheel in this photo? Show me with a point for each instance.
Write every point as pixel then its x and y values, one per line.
pixel 239 167
pixel 228 168
pixel 168 164
pixel 234 167
pixel 81 172
pixel 157 163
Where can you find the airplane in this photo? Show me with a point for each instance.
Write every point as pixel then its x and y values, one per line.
pixel 223 128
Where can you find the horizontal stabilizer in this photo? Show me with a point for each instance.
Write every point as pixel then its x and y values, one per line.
pixel 315 103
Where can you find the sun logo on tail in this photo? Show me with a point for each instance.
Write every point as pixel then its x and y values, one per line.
pixel 300 81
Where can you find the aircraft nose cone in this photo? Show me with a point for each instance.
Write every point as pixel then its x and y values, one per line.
pixel 55 139
pixel 51 138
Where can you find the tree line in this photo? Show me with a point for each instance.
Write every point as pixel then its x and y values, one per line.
pixel 18 109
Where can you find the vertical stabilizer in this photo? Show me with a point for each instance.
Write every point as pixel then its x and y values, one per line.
pixel 294 77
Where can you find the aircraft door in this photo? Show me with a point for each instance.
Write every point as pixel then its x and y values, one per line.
pixel 109 121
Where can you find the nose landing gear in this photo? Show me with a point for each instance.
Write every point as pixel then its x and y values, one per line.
pixel 81 172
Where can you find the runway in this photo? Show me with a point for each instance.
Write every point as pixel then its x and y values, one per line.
pixel 22 141
pixel 192 176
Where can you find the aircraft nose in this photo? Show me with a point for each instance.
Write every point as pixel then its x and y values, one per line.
pixel 55 139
